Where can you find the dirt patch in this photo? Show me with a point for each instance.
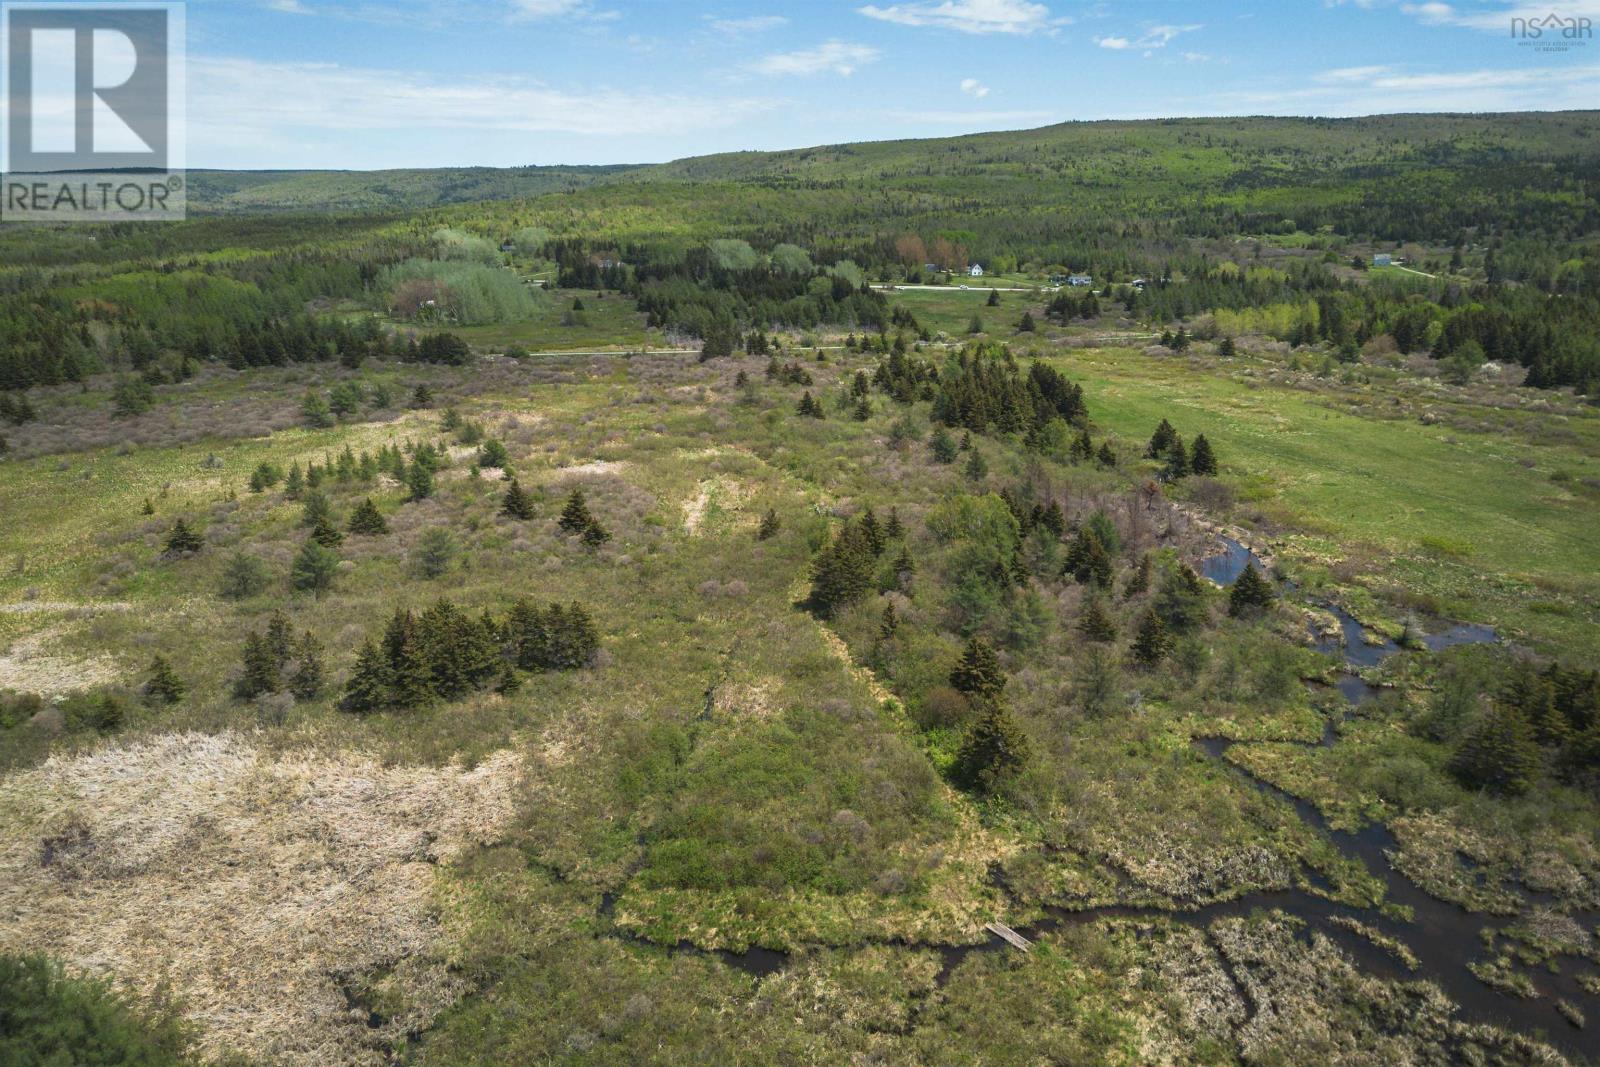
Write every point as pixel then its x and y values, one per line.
pixel 274 894
pixel 716 499
pixel 594 467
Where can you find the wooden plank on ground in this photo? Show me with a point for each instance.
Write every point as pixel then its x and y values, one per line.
pixel 1005 933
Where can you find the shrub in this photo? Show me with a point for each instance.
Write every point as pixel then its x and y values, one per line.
pixel 243 576
pixel 47 1017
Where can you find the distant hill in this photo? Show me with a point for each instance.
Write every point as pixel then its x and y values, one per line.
pixel 1218 153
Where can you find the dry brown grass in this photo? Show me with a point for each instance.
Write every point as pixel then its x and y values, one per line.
pixel 266 891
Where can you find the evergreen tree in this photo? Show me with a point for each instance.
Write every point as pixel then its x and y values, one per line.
pixel 904 569
pixel 842 572
pixel 889 623
pixel 1177 460
pixel 280 638
pixel 863 410
pixel 595 535
pixel 149 507
pixel 809 407
pixel 893 529
pixel 493 454
pixel 1152 643
pixel 296 482
pixel 1161 440
pixel 1251 592
pixel 1499 754
pixel 1027 325
pixel 309 677
pixel 1106 457
pixel 371 682
pixel 183 541
pixel 313 568
pixel 994 751
pixel 575 517
pixel 994 298
pixel 976 469
pixel 1182 601
pixel 769 525
pixel 978 674
pixel 1096 624
pixel 942 445
pixel 419 479
pixel 243 576
pixel 421 396
pixel 1139 580
pixel 260 673
pixel 367 520
pixel 1226 348
pixel 518 504
pixel 326 534
pixel 315 509
pixel 1203 461
pixel 1087 559
pixel 872 531
pixel 163 686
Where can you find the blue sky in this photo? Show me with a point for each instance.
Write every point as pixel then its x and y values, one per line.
pixel 366 84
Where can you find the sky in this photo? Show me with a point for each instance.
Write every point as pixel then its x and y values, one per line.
pixel 365 84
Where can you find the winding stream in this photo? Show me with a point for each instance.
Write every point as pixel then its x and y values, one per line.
pixel 1443 936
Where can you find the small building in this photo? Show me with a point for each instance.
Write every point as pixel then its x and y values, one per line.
pixel 1382 259
pixel 1139 284
pixel 1080 279
pixel 976 270
pixel 507 246
pixel 932 268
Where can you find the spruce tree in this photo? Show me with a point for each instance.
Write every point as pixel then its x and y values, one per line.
pixel 978 674
pixel 942 445
pixel 421 396
pixel 296 483
pixel 1499 754
pixel 977 469
pixel 1139 581
pixel 1203 461
pixel 518 503
pixel 893 529
pixel 367 520
pixel 575 517
pixel 595 535
pixel 904 569
pixel 163 686
pixel 1152 643
pixel 1182 601
pixel 994 298
pixel 326 534
pixel 769 525
pixel 313 568
pixel 872 531
pixel 1177 460
pixel 1087 560
pixel 1161 440
pixel 260 669
pixel 1096 624
pixel 1226 348
pixel 371 682
pixel 994 751
pixel 183 541
pixel 149 507
pixel 842 572
pixel 809 407
pixel 493 454
pixel 1106 457
pixel 308 678
pixel 280 638
pixel 889 623
pixel 419 480
pixel 1250 593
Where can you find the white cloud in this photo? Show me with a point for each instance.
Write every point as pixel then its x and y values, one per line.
pixel 969 16
pixel 1497 17
pixel 242 102
pixel 1152 38
pixel 743 26
pixel 839 57
pixel 528 10
pixel 973 88
pixel 1376 90
pixel 289 7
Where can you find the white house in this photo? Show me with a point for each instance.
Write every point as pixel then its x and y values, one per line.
pixel 976 270
pixel 1080 279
